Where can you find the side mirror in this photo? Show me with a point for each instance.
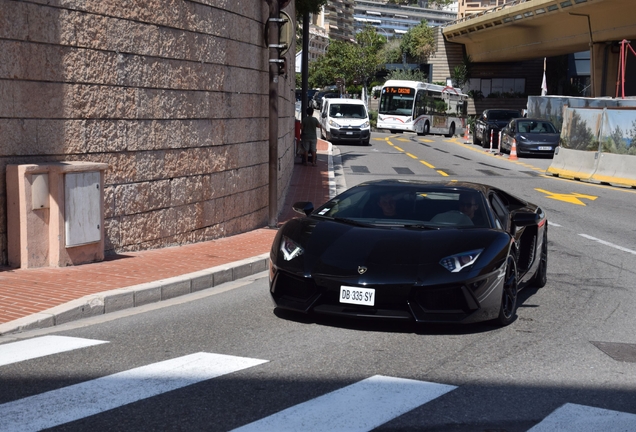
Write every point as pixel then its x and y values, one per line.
pixel 303 207
pixel 525 219
pixel 324 115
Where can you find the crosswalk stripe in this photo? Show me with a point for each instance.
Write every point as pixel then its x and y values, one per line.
pixel 71 403
pixel 359 407
pixel 15 352
pixel 581 418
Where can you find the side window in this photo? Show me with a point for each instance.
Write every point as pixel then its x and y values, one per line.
pixel 501 213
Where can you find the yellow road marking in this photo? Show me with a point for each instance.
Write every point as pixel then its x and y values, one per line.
pixel 442 173
pixel 572 198
pixel 427 164
pixel 398 148
pixel 410 155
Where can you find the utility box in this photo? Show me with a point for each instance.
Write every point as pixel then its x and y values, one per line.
pixel 55 214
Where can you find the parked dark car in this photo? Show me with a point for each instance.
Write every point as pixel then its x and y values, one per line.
pixel 418 251
pixel 492 120
pixel 531 137
pixel 316 100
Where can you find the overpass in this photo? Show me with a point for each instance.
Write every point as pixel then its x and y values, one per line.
pixel 530 29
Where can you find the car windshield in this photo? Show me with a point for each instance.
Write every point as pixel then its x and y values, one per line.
pixel 408 206
pixel 503 115
pixel 534 126
pixel 347 111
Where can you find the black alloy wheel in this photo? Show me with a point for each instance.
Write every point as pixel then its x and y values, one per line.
pixel 508 308
pixel 541 276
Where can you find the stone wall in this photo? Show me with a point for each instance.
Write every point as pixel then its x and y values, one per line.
pixel 173 95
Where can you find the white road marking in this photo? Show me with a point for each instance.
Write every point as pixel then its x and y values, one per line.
pixel 15 352
pixel 606 243
pixel 553 224
pixel 359 407
pixel 581 418
pixel 71 403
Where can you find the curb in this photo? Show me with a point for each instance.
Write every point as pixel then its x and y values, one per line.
pixel 138 295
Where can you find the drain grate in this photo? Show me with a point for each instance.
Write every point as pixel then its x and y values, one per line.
pixel 360 169
pixel 489 172
pixel 618 351
pixel 403 170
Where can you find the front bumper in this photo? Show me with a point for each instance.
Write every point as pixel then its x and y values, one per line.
pixel 350 134
pixel 466 302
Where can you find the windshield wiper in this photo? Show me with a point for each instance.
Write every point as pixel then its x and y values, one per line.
pixel 422 226
pixel 353 222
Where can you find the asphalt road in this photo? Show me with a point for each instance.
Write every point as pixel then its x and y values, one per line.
pixel 224 359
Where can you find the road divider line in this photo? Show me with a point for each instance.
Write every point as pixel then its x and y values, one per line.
pixel 427 164
pixel 362 406
pixel 15 352
pixel 92 397
pixel 412 156
pixel 442 173
pixel 606 243
pixel 398 148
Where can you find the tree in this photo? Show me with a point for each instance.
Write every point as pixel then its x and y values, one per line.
pixel 355 62
pixel 409 75
pixel 418 42
pixel 308 6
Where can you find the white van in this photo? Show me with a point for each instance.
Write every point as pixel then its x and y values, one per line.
pixel 346 120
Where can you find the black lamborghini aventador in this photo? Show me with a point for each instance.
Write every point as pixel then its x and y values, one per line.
pixel 411 250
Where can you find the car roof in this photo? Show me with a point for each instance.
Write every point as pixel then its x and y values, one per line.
pixel 450 185
pixel 345 101
pixel 532 119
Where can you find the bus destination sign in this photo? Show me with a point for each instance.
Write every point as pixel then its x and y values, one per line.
pixel 399 90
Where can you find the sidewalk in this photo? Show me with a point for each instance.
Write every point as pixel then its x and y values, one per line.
pixel 45 297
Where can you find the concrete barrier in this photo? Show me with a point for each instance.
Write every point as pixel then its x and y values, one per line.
pixel 573 164
pixel 616 169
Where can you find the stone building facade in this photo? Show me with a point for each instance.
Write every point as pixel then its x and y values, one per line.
pixel 172 95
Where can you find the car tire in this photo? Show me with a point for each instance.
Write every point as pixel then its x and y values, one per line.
pixel 541 276
pixel 475 139
pixel 485 143
pixel 451 131
pixel 509 295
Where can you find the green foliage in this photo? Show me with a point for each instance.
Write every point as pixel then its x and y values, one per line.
pixel 356 62
pixel 461 73
pixel 308 6
pixel 413 75
pixel 373 119
pixel 418 42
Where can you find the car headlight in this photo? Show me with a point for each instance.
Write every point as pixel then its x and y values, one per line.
pixel 290 249
pixel 522 138
pixel 334 124
pixel 365 125
pixel 458 262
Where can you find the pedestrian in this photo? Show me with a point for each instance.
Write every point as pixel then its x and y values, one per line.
pixel 309 138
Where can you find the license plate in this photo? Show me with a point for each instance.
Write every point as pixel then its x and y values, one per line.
pixel 357 295
pixel 349 133
pixel 545 148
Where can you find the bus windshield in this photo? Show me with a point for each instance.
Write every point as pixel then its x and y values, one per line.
pixel 397 101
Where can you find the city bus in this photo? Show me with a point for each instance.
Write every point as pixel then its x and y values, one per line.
pixel 415 106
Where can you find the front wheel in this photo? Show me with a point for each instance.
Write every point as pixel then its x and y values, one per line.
pixel 508 308
pixel 541 276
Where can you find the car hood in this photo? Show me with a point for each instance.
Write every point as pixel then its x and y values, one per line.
pixel 384 255
pixel 349 122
